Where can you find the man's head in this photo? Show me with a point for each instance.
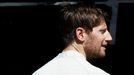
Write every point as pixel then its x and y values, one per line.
pixel 86 25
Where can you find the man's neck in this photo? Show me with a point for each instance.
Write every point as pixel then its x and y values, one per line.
pixel 76 47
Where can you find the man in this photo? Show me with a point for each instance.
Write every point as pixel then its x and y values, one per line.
pixel 85 37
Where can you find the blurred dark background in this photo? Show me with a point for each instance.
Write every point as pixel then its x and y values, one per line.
pixel 30 36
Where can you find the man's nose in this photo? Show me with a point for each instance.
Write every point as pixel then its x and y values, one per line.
pixel 108 37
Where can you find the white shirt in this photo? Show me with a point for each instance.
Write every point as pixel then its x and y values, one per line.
pixel 69 63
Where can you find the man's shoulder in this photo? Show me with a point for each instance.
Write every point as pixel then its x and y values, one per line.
pixel 61 62
pixel 60 66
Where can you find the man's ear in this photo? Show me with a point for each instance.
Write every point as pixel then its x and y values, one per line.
pixel 80 33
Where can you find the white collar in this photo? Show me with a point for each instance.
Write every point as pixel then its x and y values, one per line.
pixel 73 53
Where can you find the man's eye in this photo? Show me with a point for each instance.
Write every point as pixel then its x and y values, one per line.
pixel 102 31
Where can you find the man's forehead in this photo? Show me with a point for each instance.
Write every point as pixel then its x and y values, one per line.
pixel 103 24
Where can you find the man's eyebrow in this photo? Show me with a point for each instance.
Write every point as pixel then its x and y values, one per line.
pixel 104 28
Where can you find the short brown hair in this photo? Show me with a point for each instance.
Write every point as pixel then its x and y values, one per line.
pixel 79 15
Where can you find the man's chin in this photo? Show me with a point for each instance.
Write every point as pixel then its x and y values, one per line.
pixel 96 56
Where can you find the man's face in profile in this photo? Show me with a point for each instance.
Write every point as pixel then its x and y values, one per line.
pixel 97 40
